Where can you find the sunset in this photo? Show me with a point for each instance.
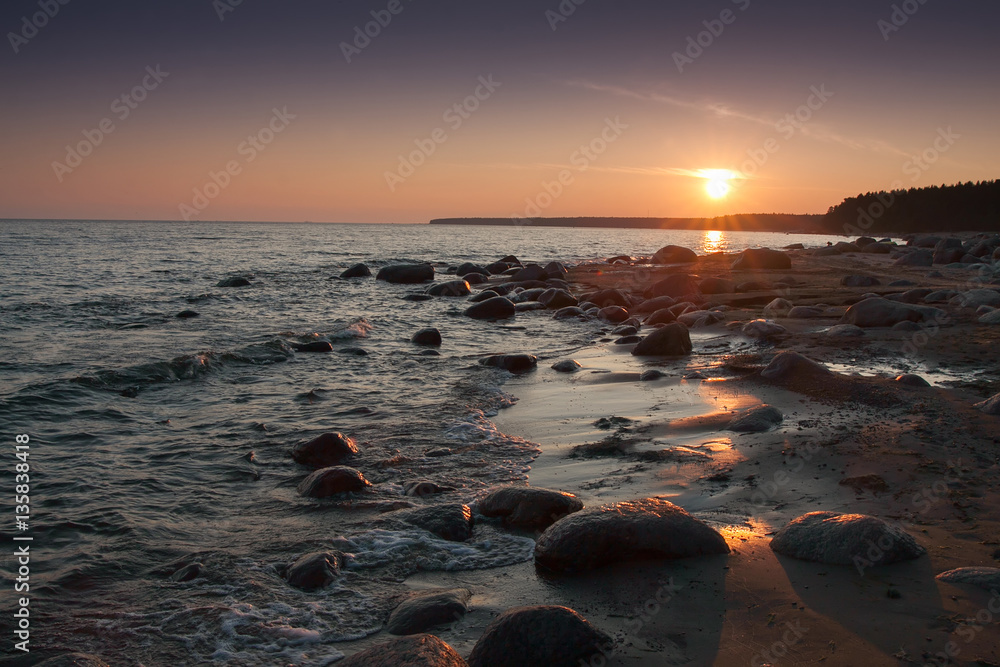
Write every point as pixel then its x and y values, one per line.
pixel 458 334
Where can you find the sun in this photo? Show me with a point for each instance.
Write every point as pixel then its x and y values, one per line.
pixel 718 185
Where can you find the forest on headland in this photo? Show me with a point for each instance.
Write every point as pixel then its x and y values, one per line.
pixel 971 207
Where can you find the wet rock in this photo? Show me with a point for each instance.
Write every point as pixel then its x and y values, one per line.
pixel 615 314
pixel 662 316
pixel 357 271
pixel 451 288
pixel 763 330
pixel 189 572
pixel 514 363
pixel 628 340
pixel 528 507
pixel 555 299
pixel 548 636
pixel 353 351
pixel 476 278
pixel 911 380
pixel 651 375
pixel 916 258
pixel 568 313
pixel 234 281
pixel 484 295
pixel 625 330
pixel 653 305
pixel 860 281
pixel 332 481
pixel 424 611
pixel 452 522
pixel 670 340
pixel 980 297
pixel 315 570
pixel 422 487
pixel 845 330
pixel 826 251
pixel 636 530
pixel 609 297
pixel 429 336
pixel 188 314
pixel 410 651
pixel 789 366
pixel 567 366
pixel 497 308
pixel 699 318
pixel 674 286
pixel 674 254
pixel 982 577
pixel 406 274
pixel 556 270
pixel 468 267
pixel 314 346
pixel 757 420
pixel 530 272
pixel 879 312
pixel 990 406
pixel 845 539
pixel 73 660
pixel 329 449
pixel 762 259
pixel 804 313
pixel 778 306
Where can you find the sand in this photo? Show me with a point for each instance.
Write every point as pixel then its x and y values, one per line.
pixel 922 458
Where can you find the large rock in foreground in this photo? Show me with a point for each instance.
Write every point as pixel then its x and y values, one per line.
pixel 762 259
pixel 548 636
pixel 879 312
pixel 329 449
pixel 406 274
pixel 670 340
pixel 528 507
pixel 332 481
pixel 412 651
pixel 642 529
pixel 845 539
pixel 427 610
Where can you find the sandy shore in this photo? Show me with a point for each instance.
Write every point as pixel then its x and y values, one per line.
pixel 922 458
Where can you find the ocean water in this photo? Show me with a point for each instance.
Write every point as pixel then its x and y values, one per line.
pixel 157 442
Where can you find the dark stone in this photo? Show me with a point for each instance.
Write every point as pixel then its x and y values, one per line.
pixel 878 249
pixel 483 296
pixel 614 314
pixel 406 274
pixel 653 305
pixel 674 254
pixel 187 573
pixel 329 449
pixel 662 316
pixel 423 612
pixel 628 340
pixel 763 330
pixel 469 267
pixel 556 270
pixel 353 351
pixel 452 522
pixel 514 363
pixel 609 297
pixel 315 570
pixel 675 286
pixel 427 337
pixel 792 366
pixel 651 375
pixel 476 278
pixel 357 271
pixel 912 380
pixel 916 258
pixel 845 539
pixel 187 314
pixel 859 281
pixel 845 247
pixel 450 288
pixel 510 259
pixel 757 420
pixel 528 507
pixel 528 306
pixel 530 272
pixel 567 366
pixel 864 241
pixel 234 281
pixel 568 312
pixel 410 651
pixel 497 308
pixel 762 259
pixel 422 487
pixel 671 340
pixel 879 312
pixel 332 481
pixel 990 406
pixel 554 299
pixel 542 636
pixel 636 530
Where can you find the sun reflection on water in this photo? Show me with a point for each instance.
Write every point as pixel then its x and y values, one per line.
pixel 714 241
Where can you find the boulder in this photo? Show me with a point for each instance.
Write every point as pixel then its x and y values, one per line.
pixel 670 340
pixel 528 507
pixel 912 380
pixel 568 313
pixel 864 241
pixel 826 251
pixel 674 254
pixel 234 281
pixel 763 330
pixel 315 570
pixel 429 336
pixel 860 281
pixel 468 267
pixel 554 299
pixel 628 340
pixel 845 247
pixel 329 449
pixel 879 312
pixel 410 651
pixel 556 270
pixel 614 314
pixel 911 296
pixel 567 366
pixel 357 271
pixel 332 481
pixel 450 288
pixel 662 316
pixel 417 297
pixel 791 366
pixel 652 528
pixel 845 330
pixel 514 363
pixel 452 522
pixel 845 539
pixel 530 272
pixel 189 572
pixel 990 406
pixel 674 286
pixel 542 636
pixel 188 314
pixel 651 375
pixel 982 577
pixel 762 259
pixel 653 305
pixel 916 258
pixel 878 248
pixel 426 610
pixel 406 274
pixel 476 278
pixel 609 297
pixel 804 313
pixel 980 297
pixel 700 318
pixel 484 295
pixel 758 420
pixel 497 308
pixel 992 317
pixel 778 306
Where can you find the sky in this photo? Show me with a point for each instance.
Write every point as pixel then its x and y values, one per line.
pixel 408 110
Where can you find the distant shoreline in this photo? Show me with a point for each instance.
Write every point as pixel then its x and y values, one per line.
pixel 756 222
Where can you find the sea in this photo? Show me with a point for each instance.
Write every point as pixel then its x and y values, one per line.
pixel 157 442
